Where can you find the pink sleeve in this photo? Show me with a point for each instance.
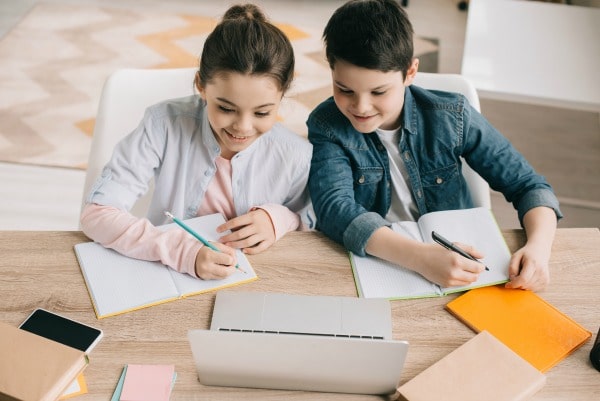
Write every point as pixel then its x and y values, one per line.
pixel 138 238
pixel 283 219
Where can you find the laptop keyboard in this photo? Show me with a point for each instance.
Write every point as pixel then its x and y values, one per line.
pixel 299 333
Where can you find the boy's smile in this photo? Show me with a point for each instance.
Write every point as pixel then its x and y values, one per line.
pixel 370 99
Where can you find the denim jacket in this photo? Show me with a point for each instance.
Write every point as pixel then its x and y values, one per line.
pixel 350 182
pixel 174 145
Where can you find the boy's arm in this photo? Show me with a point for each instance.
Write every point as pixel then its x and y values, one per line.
pixel 435 263
pixel 529 266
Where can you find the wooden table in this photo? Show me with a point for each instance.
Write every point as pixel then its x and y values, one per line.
pixel 39 269
pixel 534 52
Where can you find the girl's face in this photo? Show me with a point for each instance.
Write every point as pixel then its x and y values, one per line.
pixel 240 109
pixel 370 99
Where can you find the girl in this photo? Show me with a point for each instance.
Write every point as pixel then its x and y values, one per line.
pixel 217 152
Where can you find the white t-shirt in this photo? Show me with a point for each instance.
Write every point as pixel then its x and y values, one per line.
pixel 403 206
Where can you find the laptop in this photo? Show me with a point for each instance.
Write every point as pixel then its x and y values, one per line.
pixel 299 342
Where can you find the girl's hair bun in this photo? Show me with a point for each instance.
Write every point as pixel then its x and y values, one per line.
pixel 244 11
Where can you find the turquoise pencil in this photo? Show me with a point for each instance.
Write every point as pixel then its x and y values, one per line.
pixel 198 236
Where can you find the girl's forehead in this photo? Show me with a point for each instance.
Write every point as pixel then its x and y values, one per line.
pixel 244 89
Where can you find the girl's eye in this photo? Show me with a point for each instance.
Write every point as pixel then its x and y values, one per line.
pixel 226 109
pixel 262 114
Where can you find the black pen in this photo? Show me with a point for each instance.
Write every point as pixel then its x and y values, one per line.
pixel 449 245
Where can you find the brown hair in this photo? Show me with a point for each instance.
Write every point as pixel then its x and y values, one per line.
pixel 246 43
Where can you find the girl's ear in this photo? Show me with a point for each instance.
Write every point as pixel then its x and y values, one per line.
pixel 412 72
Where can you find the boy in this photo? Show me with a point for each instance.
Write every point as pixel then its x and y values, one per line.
pixel 385 151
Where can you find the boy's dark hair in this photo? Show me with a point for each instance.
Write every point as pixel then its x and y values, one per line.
pixel 246 43
pixel 373 34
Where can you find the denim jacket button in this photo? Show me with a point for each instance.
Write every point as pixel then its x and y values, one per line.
pixel 419 194
pixel 406 156
pixel 438 180
pixel 361 180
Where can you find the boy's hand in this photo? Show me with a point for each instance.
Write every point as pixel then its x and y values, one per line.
pixel 449 269
pixel 253 232
pixel 212 265
pixel 528 268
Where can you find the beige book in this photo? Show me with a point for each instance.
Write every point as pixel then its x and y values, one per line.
pixel 34 368
pixel 483 368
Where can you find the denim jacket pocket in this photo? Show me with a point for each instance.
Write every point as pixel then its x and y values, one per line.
pixel 442 187
pixel 366 182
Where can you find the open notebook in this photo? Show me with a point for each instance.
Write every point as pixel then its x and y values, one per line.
pixel 377 278
pixel 119 284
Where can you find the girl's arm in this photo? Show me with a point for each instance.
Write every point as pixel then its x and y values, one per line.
pixel 139 239
pixel 529 266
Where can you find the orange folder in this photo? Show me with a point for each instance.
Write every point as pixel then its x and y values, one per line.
pixel 527 324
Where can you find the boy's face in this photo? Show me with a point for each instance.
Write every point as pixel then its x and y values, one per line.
pixel 370 99
pixel 240 109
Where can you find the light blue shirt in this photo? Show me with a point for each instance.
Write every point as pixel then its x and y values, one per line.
pixel 175 146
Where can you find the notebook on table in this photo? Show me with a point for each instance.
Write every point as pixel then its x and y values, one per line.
pixel 378 278
pixel 119 284
pixel 481 369
pixel 523 321
pixel 299 342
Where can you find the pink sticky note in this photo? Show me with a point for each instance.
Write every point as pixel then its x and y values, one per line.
pixel 147 383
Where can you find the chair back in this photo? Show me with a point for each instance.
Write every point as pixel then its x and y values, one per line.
pixel 479 188
pixel 125 96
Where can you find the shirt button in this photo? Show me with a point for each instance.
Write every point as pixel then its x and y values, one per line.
pixel 361 180
pixel 438 180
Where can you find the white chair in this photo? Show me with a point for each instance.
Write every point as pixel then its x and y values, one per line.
pixel 479 188
pixel 125 96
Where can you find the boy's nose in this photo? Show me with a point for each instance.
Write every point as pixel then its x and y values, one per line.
pixel 361 104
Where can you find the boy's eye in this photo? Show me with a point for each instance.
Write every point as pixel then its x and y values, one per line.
pixel 378 93
pixel 345 91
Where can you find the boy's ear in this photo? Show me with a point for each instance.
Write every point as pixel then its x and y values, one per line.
pixel 412 72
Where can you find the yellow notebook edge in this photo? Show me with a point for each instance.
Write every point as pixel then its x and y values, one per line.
pixel 355 275
pixel 221 287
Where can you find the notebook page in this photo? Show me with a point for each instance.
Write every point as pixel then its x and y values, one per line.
pixel 206 226
pixel 377 278
pixel 118 283
pixel 476 227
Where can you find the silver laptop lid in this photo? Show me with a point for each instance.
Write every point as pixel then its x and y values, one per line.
pixel 302 314
pixel 297 362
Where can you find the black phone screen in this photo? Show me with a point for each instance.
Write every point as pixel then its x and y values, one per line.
pixel 62 330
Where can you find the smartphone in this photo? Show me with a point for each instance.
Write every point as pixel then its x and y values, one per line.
pixel 61 329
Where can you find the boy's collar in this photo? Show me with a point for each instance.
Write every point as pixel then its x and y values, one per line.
pixel 409 112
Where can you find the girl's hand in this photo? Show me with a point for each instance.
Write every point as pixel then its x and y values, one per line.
pixel 253 232
pixel 212 265
pixel 449 269
pixel 528 268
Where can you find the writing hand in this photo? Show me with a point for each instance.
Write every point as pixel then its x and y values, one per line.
pixel 213 265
